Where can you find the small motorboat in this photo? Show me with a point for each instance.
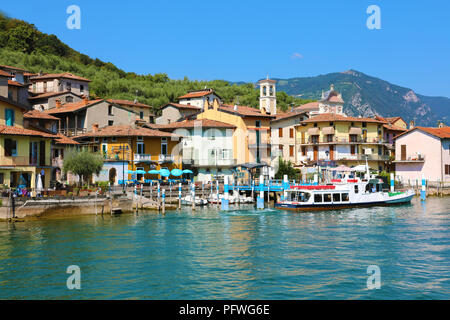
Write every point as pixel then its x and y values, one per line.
pixel 187 201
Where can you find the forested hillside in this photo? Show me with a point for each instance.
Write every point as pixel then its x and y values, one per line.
pixel 22 45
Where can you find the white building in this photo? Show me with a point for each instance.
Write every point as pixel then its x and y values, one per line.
pixel 207 147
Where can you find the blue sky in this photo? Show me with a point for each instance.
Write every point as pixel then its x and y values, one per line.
pixel 244 40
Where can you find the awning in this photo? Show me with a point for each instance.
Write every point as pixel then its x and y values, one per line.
pixel 328 130
pixel 354 130
pixel 313 131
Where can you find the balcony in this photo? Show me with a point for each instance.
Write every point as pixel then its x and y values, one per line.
pixel 142 157
pixel 72 132
pixel 418 158
pixel 362 157
pixel 164 158
pixel 339 140
pixel 57 162
pixel 119 156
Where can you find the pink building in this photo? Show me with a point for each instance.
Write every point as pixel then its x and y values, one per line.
pixel 423 150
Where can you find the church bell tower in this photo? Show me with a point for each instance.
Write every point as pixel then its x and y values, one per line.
pixel 268 96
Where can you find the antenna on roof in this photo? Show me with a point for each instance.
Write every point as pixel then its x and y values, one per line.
pixel 136 99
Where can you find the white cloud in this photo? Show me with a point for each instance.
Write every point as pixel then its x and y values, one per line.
pixel 297 56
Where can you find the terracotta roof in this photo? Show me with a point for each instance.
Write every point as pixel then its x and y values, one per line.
pixel 65 75
pixel 126 131
pixel 30 74
pixel 309 106
pixel 245 111
pixel 16 131
pixel 64 140
pixel 197 94
pixel 51 94
pixel 129 103
pixel 267 80
pixel 73 106
pixel 394 127
pixel 181 106
pixel 324 117
pixel 204 123
pixel 287 115
pixel 15 83
pixel 11 67
pixel 442 133
pixel 5 74
pixel 35 114
pixel 336 99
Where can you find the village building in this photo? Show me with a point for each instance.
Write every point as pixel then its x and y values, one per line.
pixel 24 153
pixel 423 151
pixel 331 139
pixel 143 112
pixel 131 147
pixel 78 117
pixel 188 106
pixel 59 82
pixel 207 148
pixel 251 141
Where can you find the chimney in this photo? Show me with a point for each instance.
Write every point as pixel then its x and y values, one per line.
pixel 58 103
pixel 95 127
pixel 412 124
pixel 85 100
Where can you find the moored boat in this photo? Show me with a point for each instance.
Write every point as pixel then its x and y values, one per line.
pixel 341 196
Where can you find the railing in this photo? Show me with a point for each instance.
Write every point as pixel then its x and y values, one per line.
pixel 338 140
pixel 165 158
pixel 71 132
pixel 347 157
pixel 15 161
pixel 142 157
pixel 413 158
pixel 117 156
pixel 57 162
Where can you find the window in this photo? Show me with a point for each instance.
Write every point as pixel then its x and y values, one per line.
pixel 96 139
pixel 140 148
pixel 353 150
pixel 336 197
pixel 69 86
pixel 356 189
pixel 280 132
pixel 315 125
pixel 10 117
pixel 303 151
pixel 69 99
pixel 291 151
pixel 280 150
pixel 114 139
pixel 141 114
pixel 140 138
pixel 364 124
pixel 2 178
pixel 110 110
pixel 81 88
pixel 10 148
pixel 291 133
pixel 318 198
pixel 345 197
pixel 447 169
pixel 258 123
pixel 164 146
pixel 327 197
pixel 110 122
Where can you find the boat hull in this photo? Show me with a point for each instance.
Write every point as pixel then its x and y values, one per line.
pixel 333 206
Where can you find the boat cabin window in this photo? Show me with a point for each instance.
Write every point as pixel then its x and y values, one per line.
pixel 356 189
pixel 317 198
pixel 336 197
pixel 327 197
pixel 345 197
pixel 299 196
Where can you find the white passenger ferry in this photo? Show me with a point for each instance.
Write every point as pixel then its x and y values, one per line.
pixel 340 195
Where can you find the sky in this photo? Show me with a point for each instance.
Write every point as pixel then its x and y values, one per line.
pixel 245 40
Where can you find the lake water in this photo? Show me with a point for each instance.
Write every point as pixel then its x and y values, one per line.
pixel 239 254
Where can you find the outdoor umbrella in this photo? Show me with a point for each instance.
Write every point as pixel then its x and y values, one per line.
pixel 176 172
pixel 131 172
pixel 187 171
pixel 154 172
pixel 141 171
pixel 39 183
pixel 164 172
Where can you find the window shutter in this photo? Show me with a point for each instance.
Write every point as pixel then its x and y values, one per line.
pixel 7 147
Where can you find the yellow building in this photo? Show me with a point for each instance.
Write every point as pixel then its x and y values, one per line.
pixel 24 153
pixel 133 148
pixel 343 140
pixel 251 139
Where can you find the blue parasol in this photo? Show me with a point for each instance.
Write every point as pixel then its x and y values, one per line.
pixel 164 172
pixel 176 172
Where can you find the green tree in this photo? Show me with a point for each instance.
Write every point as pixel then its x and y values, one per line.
pixel 286 168
pixel 83 163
